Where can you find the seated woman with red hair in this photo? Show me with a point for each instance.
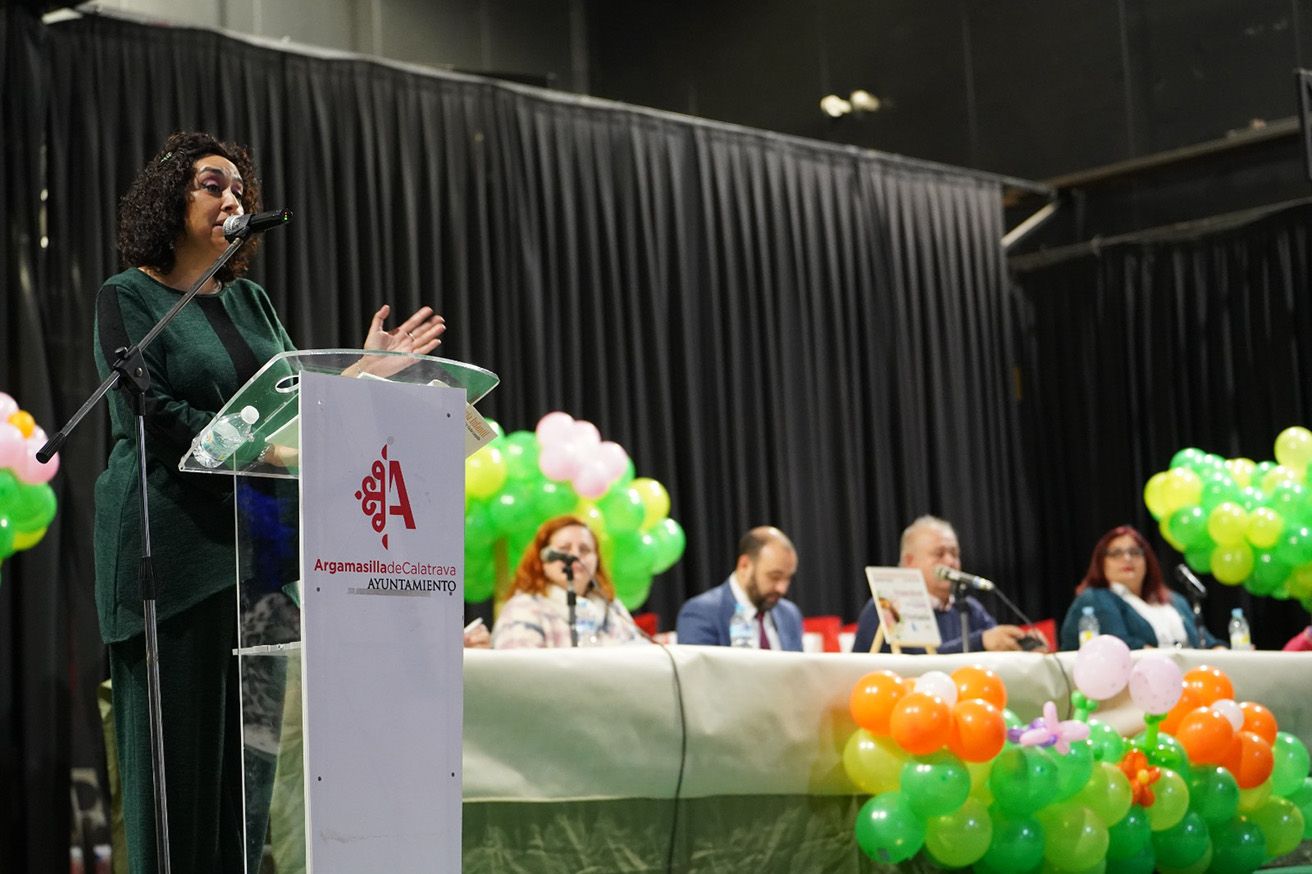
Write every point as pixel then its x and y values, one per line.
pixel 537 613
pixel 1125 589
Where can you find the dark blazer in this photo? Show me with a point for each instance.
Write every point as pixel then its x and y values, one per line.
pixel 1117 618
pixel 705 619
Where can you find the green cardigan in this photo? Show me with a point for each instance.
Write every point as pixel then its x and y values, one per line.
pixel 200 360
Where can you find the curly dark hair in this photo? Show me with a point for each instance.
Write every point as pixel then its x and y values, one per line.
pixel 152 215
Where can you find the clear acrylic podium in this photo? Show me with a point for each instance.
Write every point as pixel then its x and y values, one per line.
pixel 269 571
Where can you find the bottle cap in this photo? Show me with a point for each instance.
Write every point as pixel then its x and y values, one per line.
pixel 250 415
pixel 1088 611
pixel 1237 612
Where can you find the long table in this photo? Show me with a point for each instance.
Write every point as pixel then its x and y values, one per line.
pixel 572 758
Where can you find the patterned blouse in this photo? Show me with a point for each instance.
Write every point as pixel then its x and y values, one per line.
pixel 536 621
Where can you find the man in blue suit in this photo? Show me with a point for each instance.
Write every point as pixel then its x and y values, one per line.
pixel 767 561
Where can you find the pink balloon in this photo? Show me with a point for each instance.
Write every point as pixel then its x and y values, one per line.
pixel 34 472
pixel 1156 684
pixel 8 406
pixel 591 480
pixel 559 461
pixel 585 435
pixel 615 459
pixel 1233 713
pixel 12 446
pixel 1102 667
pixel 555 428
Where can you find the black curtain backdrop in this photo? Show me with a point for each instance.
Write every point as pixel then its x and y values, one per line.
pixel 779 331
pixel 1136 348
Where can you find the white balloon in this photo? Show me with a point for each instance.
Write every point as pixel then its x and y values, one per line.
pixel 938 683
pixel 1233 713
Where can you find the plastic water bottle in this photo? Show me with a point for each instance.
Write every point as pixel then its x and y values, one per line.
pixel 587 622
pixel 1240 637
pixel 223 437
pixel 1088 626
pixel 741 628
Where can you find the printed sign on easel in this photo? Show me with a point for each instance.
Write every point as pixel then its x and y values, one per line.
pixel 906 616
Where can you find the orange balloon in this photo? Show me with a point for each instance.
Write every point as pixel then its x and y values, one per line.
pixel 873 698
pixel 975 681
pixel 1209 684
pixel 1206 736
pixel 1187 704
pixel 921 724
pixel 978 730
pixel 1259 721
pixel 23 421
pixel 1250 760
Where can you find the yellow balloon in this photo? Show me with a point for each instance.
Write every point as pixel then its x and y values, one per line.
pixel 1232 564
pixel 1153 497
pixel 1164 528
pixel 1294 447
pixel 1183 488
pixel 593 518
pixel 1277 475
pixel 485 472
pixel 873 763
pixel 1299 582
pixel 655 500
pixel 1252 799
pixel 1242 471
pixel 28 540
pixel 1227 524
pixel 1264 527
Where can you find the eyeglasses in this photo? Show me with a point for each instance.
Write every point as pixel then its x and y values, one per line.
pixel 1125 552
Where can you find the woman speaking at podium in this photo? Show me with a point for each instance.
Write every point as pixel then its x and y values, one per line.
pixel 170 232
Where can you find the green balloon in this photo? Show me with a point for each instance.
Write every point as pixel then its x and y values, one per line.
pixel 480 531
pixel 1213 795
pixel 1023 779
pixel 1073 769
pixel 935 785
pixel 1281 824
pixel 1108 744
pixel 1130 836
pixel 1251 498
pixel 520 450
pixel 635 593
pixel 7 533
pixel 1017 843
pixel 32 508
pixel 959 838
pixel 1290 764
pixel 1218 488
pixel 9 487
pixel 1182 844
pixel 623 509
pixel 1010 718
pixel 1189 527
pixel 1200 559
pixel 1189 457
pixel 480 579
pixel 886 829
pixel 634 555
pixel 1074 838
pixel 512 509
pixel 670 543
pixel 1107 793
pixel 1268 573
pixel 1238 847
pixel 1302 799
pixel 1168 753
pixel 554 499
pixel 1142 862
pixel 1295 545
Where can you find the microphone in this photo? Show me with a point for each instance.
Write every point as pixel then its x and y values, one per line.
pixel 943 572
pixel 241 226
pixel 549 555
pixel 1190 582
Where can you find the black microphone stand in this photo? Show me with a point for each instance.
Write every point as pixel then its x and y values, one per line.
pixel 571 598
pixel 131 376
pixel 959 589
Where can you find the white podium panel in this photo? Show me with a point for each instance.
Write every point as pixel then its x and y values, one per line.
pixel 382 554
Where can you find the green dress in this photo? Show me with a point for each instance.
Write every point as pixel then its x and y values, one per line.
pixel 200 360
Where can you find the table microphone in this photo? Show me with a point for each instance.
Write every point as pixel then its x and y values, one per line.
pixel 943 572
pixel 1191 583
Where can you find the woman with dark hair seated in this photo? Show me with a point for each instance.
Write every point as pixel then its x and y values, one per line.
pixel 1125 589
pixel 537 613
